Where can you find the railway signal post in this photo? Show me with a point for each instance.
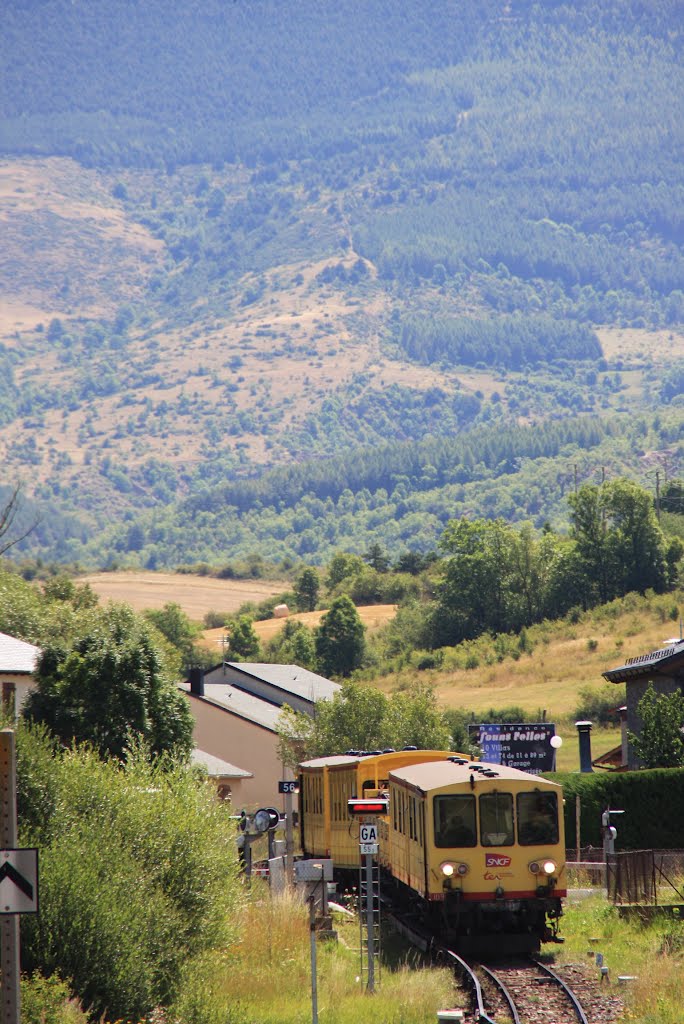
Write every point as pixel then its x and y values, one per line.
pixel 368 810
pixel 288 788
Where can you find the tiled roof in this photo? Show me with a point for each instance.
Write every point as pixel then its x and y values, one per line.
pixel 17 656
pixel 216 766
pixel 663 661
pixel 239 703
pixel 291 679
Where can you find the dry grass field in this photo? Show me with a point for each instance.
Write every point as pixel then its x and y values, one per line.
pixel 373 616
pixel 633 344
pixel 566 657
pixel 196 595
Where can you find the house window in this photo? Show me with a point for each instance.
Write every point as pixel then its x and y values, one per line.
pixel 9 692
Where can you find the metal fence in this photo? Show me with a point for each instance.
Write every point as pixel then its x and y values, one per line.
pixel 649 877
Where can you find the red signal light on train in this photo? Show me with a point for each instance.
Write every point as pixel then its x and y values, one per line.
pixel 357 807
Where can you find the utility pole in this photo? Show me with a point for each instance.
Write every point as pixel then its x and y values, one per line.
pixel 658 494
pixel 312 947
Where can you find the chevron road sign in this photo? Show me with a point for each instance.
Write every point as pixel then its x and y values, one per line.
pixel 19 881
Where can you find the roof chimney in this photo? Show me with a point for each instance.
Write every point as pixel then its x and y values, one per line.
pixel 584 730
pixel 197 681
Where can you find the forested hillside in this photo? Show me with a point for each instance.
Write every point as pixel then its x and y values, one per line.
pixel 281 276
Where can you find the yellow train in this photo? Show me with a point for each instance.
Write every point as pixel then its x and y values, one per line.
pixel 326 784
pixel 478 849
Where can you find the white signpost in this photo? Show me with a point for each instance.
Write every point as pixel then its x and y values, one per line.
pixel 19 881
pixel 368 839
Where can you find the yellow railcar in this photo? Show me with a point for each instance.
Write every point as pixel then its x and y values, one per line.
pixel 325 786
pixel 482 847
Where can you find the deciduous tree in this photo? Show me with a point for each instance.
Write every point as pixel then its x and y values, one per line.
pixel 307 587
pixel 618 542
pixel 340 640
pixel 359 717
pixel 107 687
pixel 661 741
pixel 243 641
pixel 175 625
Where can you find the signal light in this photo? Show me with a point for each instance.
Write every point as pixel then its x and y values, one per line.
pixel 358 807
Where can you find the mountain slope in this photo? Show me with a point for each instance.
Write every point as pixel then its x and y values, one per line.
pixel 321 244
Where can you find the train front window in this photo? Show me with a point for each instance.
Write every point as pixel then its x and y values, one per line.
pixel 454 821
pixel 496 819
pixel 537 818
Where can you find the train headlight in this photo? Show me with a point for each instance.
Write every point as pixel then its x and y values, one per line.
pixel 447 869
pixel 549 867
pixel 462 869
pixel 535 867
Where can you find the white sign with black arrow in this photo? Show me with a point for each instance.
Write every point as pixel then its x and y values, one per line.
pixel 19 881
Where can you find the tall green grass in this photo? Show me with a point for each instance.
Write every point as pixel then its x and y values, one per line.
pixel 653 953
pixel 265 978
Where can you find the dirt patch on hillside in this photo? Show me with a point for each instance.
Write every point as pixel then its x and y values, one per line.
pixel 69 247
pixel 196 595
pixel 633 344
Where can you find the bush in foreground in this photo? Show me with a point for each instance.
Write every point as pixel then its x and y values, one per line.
pixel 138 873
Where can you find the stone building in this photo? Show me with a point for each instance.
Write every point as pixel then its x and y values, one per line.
pixel 663 669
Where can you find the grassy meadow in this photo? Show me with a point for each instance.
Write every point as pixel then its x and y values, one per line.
pixel 266 977
pixel 563 659
pixel 651 954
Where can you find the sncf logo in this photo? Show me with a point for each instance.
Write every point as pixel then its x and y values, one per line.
pixel 495 860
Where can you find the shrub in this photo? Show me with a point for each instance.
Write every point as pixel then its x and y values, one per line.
pixel 428 661
pixel 512 713
pixel 215 620
pixel 602 705
pixel 647 798
pixel 138 874
pixel 49 1001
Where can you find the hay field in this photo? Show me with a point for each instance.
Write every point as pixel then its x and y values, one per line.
pixel 373 616
pixel 196 595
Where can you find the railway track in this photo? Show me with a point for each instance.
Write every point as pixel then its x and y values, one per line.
pixel 521 990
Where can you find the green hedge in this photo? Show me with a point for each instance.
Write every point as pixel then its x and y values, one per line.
pixel 652 801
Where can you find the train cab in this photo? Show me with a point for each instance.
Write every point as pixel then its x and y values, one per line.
pixel 481 843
